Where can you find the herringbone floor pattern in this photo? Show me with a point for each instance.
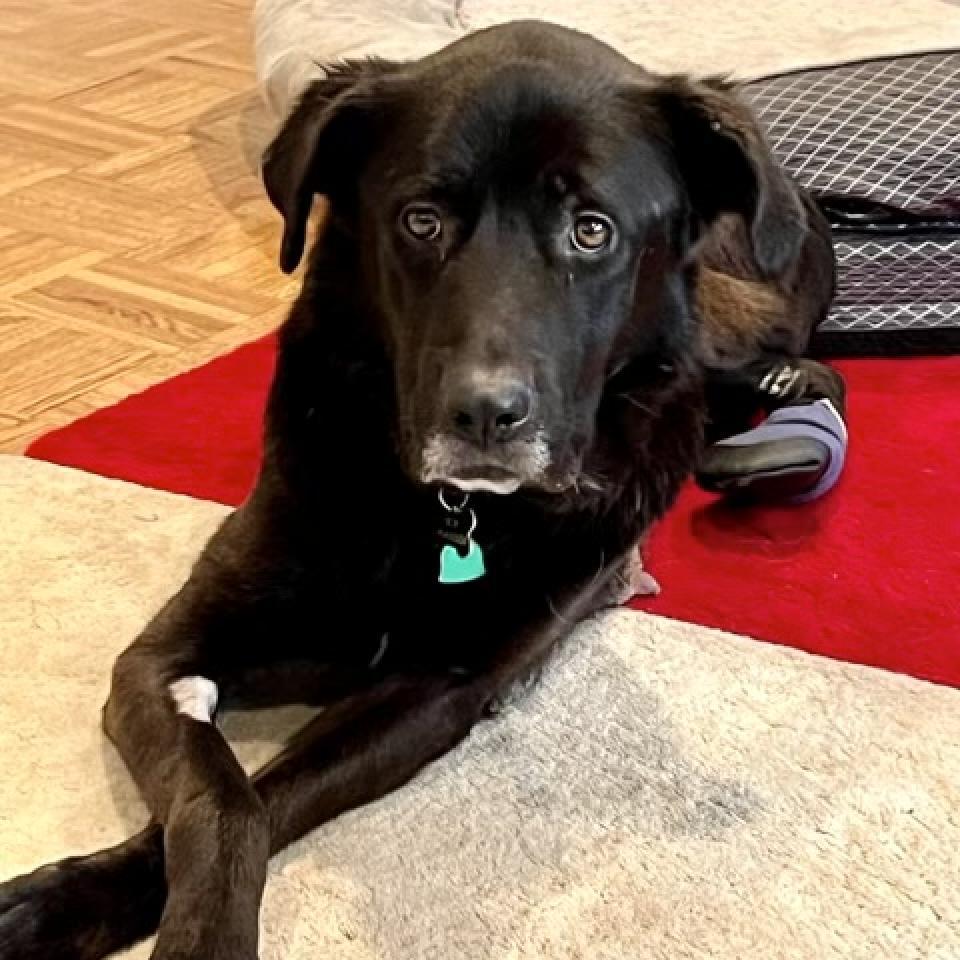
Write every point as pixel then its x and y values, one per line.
pixel 135 239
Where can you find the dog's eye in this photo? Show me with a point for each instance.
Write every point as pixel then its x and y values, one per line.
pixel 422 222
pixel 592 233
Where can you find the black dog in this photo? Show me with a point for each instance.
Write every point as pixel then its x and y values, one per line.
pixel 537 259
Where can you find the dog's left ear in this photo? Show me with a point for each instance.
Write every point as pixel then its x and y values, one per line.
pixel 322 145
pixel 728 167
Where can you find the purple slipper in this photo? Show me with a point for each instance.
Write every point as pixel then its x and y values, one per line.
pixel 795 455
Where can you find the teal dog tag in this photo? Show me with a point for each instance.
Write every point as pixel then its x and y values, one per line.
pixel 457 569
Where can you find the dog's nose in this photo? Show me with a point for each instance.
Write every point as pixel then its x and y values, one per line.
pixel 491 409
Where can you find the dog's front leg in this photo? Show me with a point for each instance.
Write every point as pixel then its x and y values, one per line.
pixel 215 831
pixel 200 868
pixel 361 749
pixel 353 753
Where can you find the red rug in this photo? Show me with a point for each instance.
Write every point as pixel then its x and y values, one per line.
pixel 869 574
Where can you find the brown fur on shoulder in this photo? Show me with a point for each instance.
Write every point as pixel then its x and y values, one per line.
pixel 737 313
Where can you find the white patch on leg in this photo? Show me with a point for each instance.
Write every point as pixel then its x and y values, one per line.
pixel 632 581
pixel 637 582
pixel 195 697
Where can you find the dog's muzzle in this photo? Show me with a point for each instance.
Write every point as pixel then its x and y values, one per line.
pixel 450 459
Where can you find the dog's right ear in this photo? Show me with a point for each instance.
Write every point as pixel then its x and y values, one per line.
pixel 728 166
pixel 321 146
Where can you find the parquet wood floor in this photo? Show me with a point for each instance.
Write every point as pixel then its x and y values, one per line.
pixel 135 238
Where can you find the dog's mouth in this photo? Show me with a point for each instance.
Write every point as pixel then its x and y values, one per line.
pixel 489 479
pixel 527 464
pixel 449 460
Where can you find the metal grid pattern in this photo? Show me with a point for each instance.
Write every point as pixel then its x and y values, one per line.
pixel 894 284
pixel 888 130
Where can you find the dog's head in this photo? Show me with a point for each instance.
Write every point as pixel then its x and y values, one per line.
pixel 524 206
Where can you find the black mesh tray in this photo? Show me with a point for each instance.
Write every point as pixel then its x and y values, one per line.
pixel 879 143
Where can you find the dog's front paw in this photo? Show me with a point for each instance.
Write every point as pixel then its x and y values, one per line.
pixel 38 915
pixel 84 907
pixel 630 581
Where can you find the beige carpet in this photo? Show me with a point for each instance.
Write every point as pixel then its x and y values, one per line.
pixel 666 792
